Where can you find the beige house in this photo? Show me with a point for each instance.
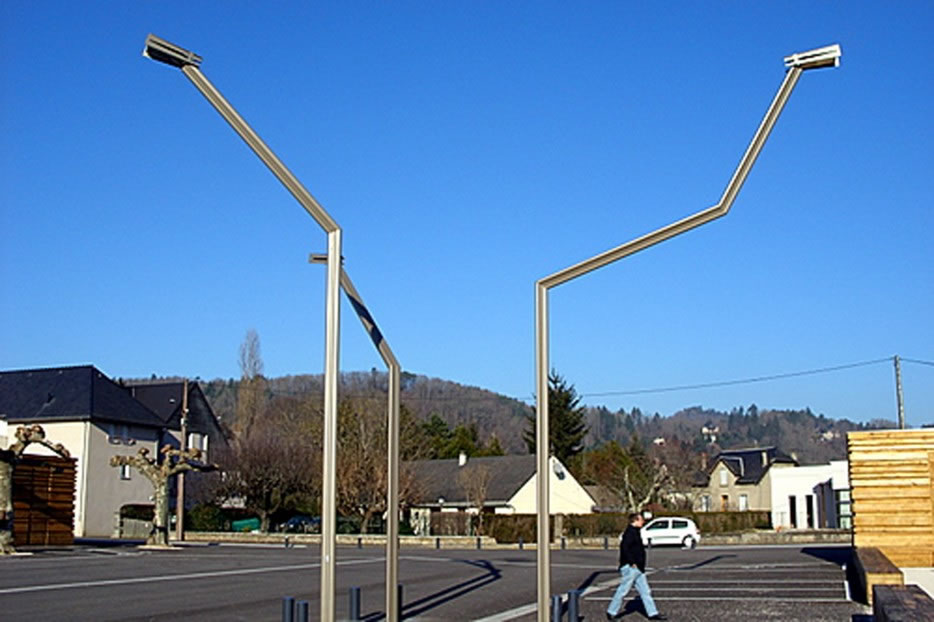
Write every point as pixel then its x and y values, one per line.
pixel 95 419
pixel 740 480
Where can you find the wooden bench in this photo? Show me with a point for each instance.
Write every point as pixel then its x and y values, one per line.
pixel 901 603
pixel 874 568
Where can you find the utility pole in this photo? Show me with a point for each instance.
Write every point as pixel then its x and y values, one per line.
pixel 898 392
pixel 180 499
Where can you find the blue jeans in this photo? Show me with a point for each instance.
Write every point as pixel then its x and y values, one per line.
pixel 628 576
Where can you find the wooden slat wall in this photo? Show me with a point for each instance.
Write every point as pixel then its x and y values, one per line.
pixel 44 501
pixel 892 484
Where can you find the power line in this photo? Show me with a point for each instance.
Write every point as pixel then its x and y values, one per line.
pixel 919 362
pixel 725 383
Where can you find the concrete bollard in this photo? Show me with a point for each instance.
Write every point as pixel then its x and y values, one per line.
pixel 288 609
pixel 555 608
pixel 574 606
pixel 354 603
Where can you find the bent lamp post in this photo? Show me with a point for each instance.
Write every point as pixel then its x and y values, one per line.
pixel 796 63
pixel 170 54
pixel 392 444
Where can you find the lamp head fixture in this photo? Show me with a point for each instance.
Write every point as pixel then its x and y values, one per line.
pixel 828 56
pixel 169 53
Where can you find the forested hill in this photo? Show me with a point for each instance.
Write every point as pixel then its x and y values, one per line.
pixel 812 438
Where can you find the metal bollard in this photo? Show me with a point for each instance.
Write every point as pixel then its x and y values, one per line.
pixel 302 612
pixel 606 543
pixel 574 605
pixel 286 542
pixel 399 611
pixel 288 609
pixel 563 543
pixel 521 543
pixel 555 608
pixel 478 543
pixel 359 542
pixel 355 603
pixel 437 543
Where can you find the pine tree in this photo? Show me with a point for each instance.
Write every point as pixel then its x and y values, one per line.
pixel 566 420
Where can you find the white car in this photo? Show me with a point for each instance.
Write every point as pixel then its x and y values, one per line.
pixel 671 530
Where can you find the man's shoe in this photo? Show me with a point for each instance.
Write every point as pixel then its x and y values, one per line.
pixel 610 616
pixel 658 616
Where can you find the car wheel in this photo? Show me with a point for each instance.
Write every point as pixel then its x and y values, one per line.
pixel 689 542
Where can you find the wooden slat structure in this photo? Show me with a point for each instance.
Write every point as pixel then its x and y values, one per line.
pixel 892 491
pixel 44 501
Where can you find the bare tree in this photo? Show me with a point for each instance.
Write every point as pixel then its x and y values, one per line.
pixel 362 470
pixel 174 461
pixel 269 469
pixel 8 460
pixel 474 480
pixel 252 389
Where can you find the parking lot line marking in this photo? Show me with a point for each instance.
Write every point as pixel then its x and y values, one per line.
pixel 174 577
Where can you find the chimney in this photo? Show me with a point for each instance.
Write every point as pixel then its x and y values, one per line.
pixel 765 458
pixel 703 461
pixel 461 459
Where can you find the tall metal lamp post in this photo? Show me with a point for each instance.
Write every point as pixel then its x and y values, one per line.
pixel 392 445
pixel 189 62
pixel 796 63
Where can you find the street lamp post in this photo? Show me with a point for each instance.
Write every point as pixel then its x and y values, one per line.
pixel 392 445
pixel 828 56
pixel 189 62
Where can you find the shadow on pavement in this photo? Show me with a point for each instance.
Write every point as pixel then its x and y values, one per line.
pixel 427 603
pixel 838 555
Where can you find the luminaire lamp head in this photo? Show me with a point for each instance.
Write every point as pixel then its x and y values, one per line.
pixel 169 53
pixel 827 56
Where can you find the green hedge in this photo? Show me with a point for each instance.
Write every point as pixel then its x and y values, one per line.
pixel 508 528
pixel 591 525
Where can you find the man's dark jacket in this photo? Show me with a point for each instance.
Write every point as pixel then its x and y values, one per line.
pixel 631 550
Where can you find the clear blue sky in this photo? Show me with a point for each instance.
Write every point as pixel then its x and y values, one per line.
pixel 468 149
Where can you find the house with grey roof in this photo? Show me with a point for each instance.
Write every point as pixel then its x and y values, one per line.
pixel 740 480
pixel 493 484
pixel 96 418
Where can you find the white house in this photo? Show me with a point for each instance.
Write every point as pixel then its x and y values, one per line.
pixel 507 483
pixel 811 497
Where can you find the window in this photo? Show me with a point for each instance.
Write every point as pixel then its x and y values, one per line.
pixel 809 508
pixel 705 503
pixel 724 479
pixel 124 471
pixel 724 503
pixel 793 511
pixel 679 524
pixel 844 511
pixel 662 524
pixel 743 503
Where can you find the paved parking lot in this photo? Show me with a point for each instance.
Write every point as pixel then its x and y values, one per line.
pixel 248 583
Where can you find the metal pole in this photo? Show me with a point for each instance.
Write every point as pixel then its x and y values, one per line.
pixel 288 609
pixel 824 57
pixel 898 393
pixel 574 605
pixel 163 51
pixel 355 603
pixel 555 608
pixel 543 552
pixel 183 442
pixel 329 469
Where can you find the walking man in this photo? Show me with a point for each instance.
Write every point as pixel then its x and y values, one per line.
pixel 632 571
